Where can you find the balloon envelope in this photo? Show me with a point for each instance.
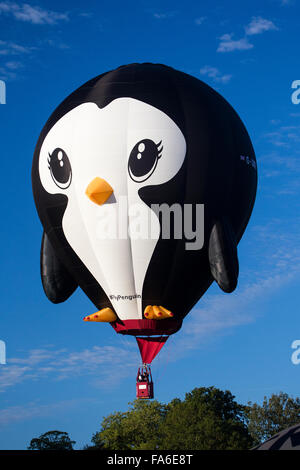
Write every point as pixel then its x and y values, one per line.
pixel 144 180
pixel 288 439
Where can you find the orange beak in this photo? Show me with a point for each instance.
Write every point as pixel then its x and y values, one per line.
pixel 99 191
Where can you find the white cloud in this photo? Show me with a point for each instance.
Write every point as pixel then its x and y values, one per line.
pixel 282 161
pixel 164 16
pixel 86 14
pixel 200 20
pixel 13 65
pixel 8 69
pixel 56 43
pixel 34 15
pixel 227 44
pixel 13 414
pixel 219 314
pixel 11 48
pixel 96 362
pixel 215 74
pixel 285 136
pixel 259 25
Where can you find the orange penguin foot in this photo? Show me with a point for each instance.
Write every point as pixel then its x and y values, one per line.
pixel 154 312
pixel 104 315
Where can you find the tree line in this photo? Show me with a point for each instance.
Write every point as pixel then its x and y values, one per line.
pixel 206 419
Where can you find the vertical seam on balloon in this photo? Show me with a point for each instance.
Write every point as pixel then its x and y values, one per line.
pixel 140 316
pixel 185 161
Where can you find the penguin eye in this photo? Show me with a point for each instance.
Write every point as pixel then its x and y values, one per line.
pixel 60 168
pixel 143 159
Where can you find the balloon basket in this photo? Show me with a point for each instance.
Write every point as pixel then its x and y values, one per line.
pixel 144 383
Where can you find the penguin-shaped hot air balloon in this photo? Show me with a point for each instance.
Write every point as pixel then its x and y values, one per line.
pixel 144 179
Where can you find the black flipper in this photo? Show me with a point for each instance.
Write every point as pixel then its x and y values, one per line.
pixel 223 259
pixel 58 284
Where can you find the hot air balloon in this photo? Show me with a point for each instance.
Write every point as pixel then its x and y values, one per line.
pixel 144 179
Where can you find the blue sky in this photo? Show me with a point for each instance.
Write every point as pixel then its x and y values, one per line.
pixel 62 373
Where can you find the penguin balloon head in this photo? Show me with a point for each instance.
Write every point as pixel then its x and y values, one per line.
pixel 144 180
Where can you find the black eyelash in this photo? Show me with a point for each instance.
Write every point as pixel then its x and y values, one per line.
pixel 48 160
pixel 159 149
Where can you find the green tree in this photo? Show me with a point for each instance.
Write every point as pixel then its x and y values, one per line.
pixel 52 440
pixel 208 419
pixel 275 414
pixel 137 429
